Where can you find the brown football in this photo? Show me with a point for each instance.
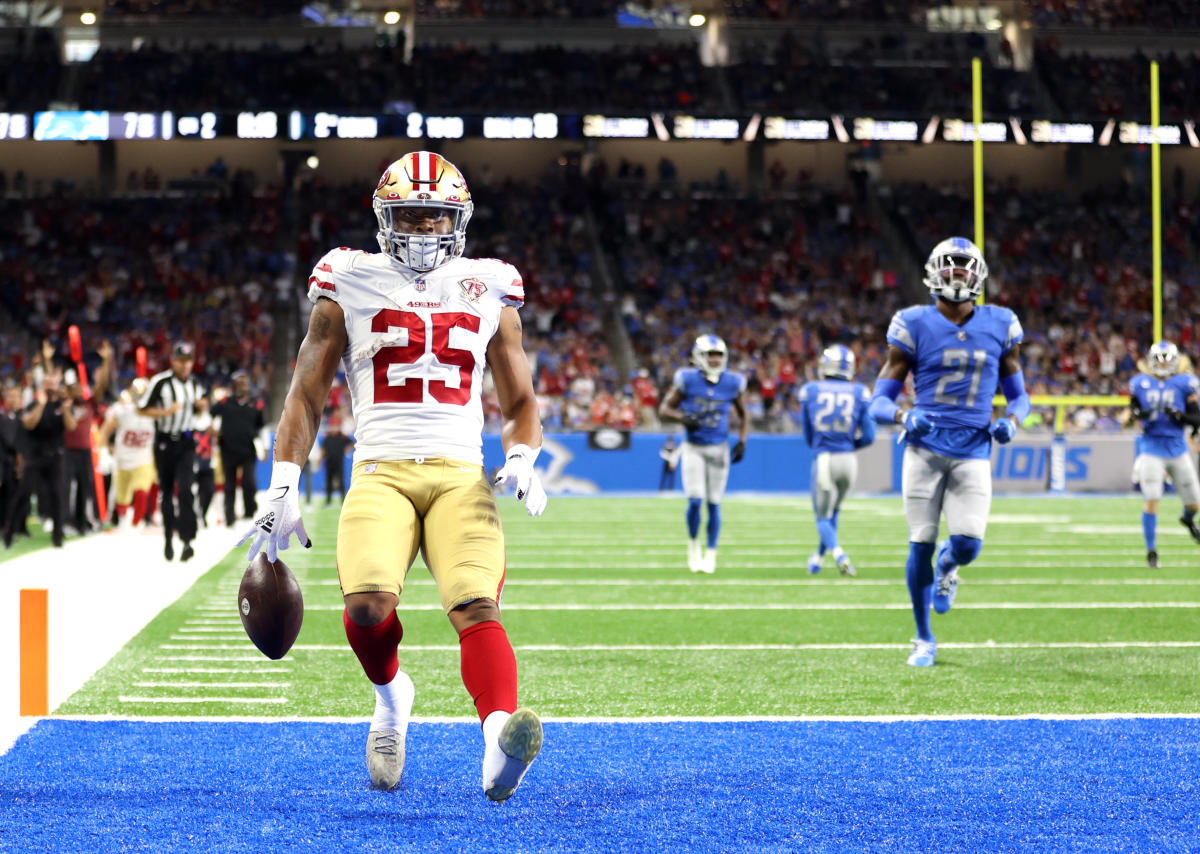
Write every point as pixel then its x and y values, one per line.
pixel 271 606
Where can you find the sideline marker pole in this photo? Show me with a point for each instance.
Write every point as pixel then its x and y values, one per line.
pixel 35 653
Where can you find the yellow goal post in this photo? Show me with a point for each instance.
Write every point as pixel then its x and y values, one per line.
pixel 1063 402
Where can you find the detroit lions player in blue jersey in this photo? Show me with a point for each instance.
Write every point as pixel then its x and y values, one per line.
pixel 700 398
pixel 1166 402
pixel 958 353
pixel 836 422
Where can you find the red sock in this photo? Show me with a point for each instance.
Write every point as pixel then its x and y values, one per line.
pixel 489 668
pixel 139 506
pixel 375 646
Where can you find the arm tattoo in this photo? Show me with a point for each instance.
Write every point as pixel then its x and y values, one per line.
pixel 319 327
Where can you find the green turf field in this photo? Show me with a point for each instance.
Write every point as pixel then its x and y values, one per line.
pixel 1059 615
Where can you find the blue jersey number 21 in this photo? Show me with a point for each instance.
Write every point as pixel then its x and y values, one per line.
pixel 958 362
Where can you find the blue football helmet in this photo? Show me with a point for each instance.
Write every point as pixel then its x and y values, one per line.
pixel 956 270
pixel 707 350
pixel 837 362
pixel 1164 359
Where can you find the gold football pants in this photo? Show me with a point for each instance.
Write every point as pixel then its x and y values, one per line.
pixel 443 507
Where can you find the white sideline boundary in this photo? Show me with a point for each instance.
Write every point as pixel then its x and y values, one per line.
pixel 126 574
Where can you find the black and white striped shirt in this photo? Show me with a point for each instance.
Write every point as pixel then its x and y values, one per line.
pixel 163 390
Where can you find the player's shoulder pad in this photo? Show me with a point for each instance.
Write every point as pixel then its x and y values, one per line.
pixel 1010 326
pixel 329 272
pixel 495 276
pixel 680 378
pixel 803 392
pixel 742 382
pixel 862 392
pixel 900 332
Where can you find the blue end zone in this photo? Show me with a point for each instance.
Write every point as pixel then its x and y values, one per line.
pixel 758 786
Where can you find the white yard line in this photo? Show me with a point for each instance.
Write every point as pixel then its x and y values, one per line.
pixel 186 700
pixel 752 647
pixel 781 582
pixel 225 671
pixel 173 685
pixel 811 606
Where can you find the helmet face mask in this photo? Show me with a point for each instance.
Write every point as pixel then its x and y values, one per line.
pixel 837 362
pixel 422 205
pixel 1164 359
pixel 955 270
pixel 710 355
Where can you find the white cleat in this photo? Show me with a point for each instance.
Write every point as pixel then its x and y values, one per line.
pixel 709 564
pixel 845 567
pixel 695 556
pixel 385 757
pixel 506 761
pixel 924 653
pixel 389 728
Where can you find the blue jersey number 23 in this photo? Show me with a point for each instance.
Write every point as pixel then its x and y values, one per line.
pixel 829 403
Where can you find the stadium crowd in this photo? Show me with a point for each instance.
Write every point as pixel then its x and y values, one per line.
pixel 623 263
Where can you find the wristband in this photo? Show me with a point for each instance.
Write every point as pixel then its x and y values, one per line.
pixel 525 451
pixel 883 406
pixel 284 473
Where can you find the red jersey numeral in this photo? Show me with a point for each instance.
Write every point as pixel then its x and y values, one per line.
pixel 411 390
pixel 136 438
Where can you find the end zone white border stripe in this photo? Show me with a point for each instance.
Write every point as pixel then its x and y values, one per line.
pixel 663 719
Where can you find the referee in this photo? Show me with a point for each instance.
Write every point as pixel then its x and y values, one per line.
pixel 170 399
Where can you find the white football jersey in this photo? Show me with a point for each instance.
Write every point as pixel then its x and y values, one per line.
pixel 134 436
pixel 417 349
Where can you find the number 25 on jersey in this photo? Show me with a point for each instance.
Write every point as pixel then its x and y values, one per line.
pixel 412 388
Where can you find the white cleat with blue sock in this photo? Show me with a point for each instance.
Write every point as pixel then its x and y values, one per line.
pixel 708 564
pixel 843 563
pixel 945 581
pixel 814 564
pixel 924 652
pixel 695 555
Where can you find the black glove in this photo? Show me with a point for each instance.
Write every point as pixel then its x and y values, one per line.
pixel 1191 418
pixel 690 422
pixel 739 451
pixel 1135 409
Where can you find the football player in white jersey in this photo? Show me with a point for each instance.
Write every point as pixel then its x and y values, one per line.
pixel 413 327
pixel 133 455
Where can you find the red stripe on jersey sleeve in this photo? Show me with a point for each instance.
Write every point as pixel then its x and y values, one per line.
pixel 321 283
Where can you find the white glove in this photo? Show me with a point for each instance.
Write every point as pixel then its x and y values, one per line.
pixel 518 473
pixel 280 518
